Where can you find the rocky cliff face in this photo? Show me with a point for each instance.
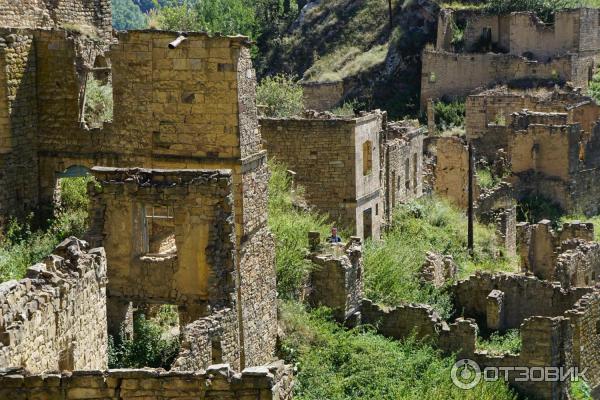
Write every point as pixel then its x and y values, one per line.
pixel 352 40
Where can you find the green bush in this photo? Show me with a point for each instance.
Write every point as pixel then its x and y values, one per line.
pixel 98 102
pixel 429 224
pixel 337 364
pixel 580 390
pixel 126 15
pixel 290 227
pixel 594 87
pixel 22 246
pixel 151 346
pixel 281 95
pixel 449 115
pixel 497 344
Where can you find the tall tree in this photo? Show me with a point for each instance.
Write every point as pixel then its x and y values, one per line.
pixel 126 15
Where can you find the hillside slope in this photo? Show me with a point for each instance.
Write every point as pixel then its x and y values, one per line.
pixel 351 40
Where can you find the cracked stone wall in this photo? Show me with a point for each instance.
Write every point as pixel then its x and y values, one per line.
pixel 55 318
pixel 268 382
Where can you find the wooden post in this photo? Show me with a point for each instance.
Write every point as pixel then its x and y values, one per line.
pixel 470 245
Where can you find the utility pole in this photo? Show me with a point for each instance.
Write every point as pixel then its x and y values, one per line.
pixel 391 17
pixel 470 245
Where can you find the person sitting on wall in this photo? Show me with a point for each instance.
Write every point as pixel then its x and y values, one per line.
pixel 334 238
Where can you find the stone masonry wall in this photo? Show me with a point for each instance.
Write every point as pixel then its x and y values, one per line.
pixel 55 318
pixel 457 75
pixel 202 267
pixel 580 266
pixel 80 14
pixel 521 297
pixel 402 160
pixel 208 341
pixel 322 96
pixel 318 147
pixel 337 279
pixel 217 382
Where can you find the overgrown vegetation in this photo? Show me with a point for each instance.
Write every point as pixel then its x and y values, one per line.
pixel 348 109
pixel 449 115
pixel 98 102
pixel 23 244
pixel 580 390
pixel 594 87
pixel 290 226
pixel 545 9
pixel 498 344
pixel 429 224
pixel 152 344
pixel 337 364
pixel 281 95
pixel 535 208
pixel 127 15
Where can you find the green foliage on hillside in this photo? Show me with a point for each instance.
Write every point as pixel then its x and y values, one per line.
pixel 23 246
pixel 337 364
pixel 98 102
pixel 290 227
pixel 281 95
pixel 126 15
pixel 429 224
pixel 152 345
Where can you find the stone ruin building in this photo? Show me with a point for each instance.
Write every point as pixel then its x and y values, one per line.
pixel 356 169
pixel 560 331
pixel 508 48
pixel 178 214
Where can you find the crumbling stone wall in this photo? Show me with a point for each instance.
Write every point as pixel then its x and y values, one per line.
pixel 208 341
pixel 521 297
pixel 489 113
pixel 90 16
pixel 458 75
pixel 198 203
pixel 217 382
pixel 539 248
pixel 337 279
pixel 55 318
pixel 322 96
pixel 332 147
pixel 579 266
pixel 523 33
pixel 402 161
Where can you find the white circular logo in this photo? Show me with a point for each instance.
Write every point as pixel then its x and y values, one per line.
pixel 466 374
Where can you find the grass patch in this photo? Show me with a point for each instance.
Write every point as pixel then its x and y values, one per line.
pixel 23 246
pixel 428 224
pixel 152 344
pixel 497 344
pixel 337 364
pixel 290 226
pixel 344 62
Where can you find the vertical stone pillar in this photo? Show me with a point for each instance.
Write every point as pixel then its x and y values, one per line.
pixel 431 117
pixel 495 310
pixel 119 316
pixel 314 240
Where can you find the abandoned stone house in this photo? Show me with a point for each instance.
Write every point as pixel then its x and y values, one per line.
pixel 180 209
pixel 560 331
pixel 509 48
pixel 369 165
